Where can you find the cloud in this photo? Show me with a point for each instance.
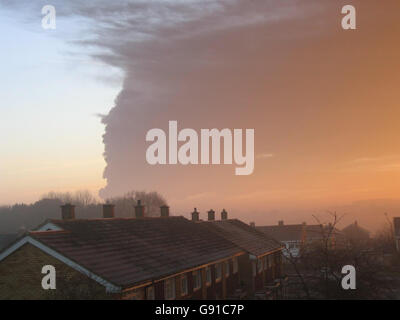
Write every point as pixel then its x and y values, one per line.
pixel 189 61
pixel 377 163
pixel 265 156
pixel 200 62
pixel 223 64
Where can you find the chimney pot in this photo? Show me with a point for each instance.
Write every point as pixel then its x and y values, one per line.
pixel 164 211
pixel 280 223
pixel 211 215
pixel 252 224
pixel 139 210
pixel 195 215
pixel 108 210
pixel 68 211
pixel 224 215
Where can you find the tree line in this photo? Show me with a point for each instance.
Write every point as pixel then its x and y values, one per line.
pixel 19 218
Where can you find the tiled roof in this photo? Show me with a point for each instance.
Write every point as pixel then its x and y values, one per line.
pixel 317 231
pixel 130 251
pixel 355 229
pixel 243 236
pixel 293 232
pixel 297 232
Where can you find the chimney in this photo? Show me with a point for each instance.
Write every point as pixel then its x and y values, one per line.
pixel 211 215
pixel 252 224
pixel 195 215
pixel 139 210
pixel 280 223
pixel 164 211
pixel 224 215
pixel 68 211
pixel 108 210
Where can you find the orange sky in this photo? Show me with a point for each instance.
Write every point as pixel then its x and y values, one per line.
pixel 324 103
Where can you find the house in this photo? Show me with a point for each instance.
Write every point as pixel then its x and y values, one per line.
pixel 294 237
pixel 168 257
pixel 260 266
pixel 396 226
pixel 355 234
pixel 291 236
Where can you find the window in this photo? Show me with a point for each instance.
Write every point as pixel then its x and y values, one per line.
pixel 227 271
pixel 208 276
pixel 184 285
pixel 259 265
pixel 196 280
pixel 218 272
pixel 235 265
pixel 169 289
pixel 150 293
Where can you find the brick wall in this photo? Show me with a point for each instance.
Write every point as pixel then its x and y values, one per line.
pixel 21 278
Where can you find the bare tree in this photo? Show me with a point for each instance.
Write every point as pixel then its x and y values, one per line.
pixel 320 248
pixel 125 205
pixel 319 266
pixel 293 262
pixel 82 198
pixel 384 238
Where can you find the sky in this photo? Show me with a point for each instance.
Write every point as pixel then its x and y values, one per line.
pixel 52 93
pixel 323 102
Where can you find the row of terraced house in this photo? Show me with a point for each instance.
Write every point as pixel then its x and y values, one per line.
pixel 167 257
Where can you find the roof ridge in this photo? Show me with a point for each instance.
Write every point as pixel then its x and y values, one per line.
pixel 33 232
pixel 115 218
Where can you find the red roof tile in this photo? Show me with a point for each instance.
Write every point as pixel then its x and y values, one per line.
pixel 293 232
pixel 296 232
pixel 243 236
pixel 129 251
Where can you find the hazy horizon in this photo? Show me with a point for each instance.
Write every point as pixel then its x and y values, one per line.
pixel 323 102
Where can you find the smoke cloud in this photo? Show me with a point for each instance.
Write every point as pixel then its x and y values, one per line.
pixel 317 96
pixel 206 64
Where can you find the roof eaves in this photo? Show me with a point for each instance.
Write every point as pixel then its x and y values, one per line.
pixel 30 238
